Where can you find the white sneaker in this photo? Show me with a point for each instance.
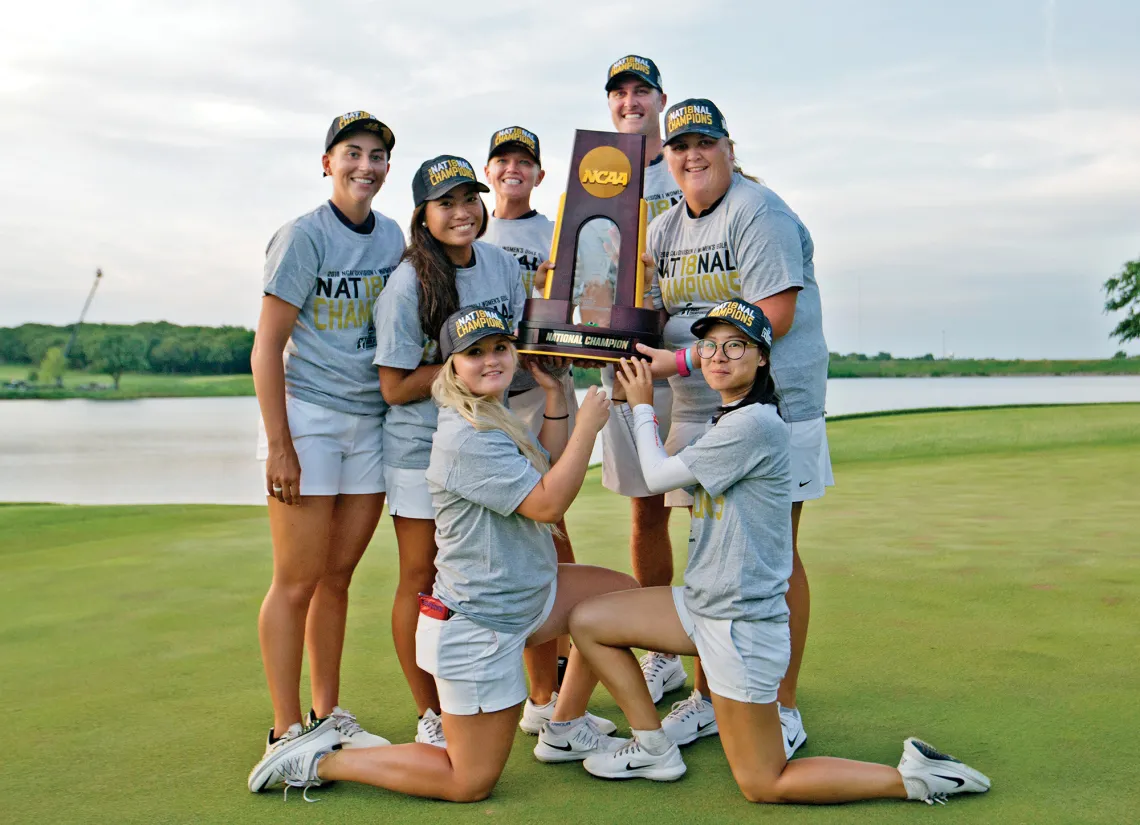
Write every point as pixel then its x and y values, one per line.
pixel 690 719
pixel 930 776
pixel 574 744
pixel 662 674
pixel 632 761
pixel 351 734
pixel 792 725
pixel 535 716
pixel 294 755
pixel 429 730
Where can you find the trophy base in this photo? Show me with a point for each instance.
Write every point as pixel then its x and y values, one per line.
pixel 545 331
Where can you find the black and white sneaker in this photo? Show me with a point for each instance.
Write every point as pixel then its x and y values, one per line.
pixel 792 726
pixel 633 761
pixel 662 674
pixel 574 743
pixel 352 735
pixel 280 760
pixel 690 719
pixel 931 776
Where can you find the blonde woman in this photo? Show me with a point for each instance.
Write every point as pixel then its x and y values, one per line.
pixel 499 587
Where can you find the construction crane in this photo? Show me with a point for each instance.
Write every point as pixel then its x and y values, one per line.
pixel 82 315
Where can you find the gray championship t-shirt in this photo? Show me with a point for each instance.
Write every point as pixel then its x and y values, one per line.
pixel 740 544
pixel 493 566
pixel 333 276
pixel 400 341
pixel 528 240
pixel 751 246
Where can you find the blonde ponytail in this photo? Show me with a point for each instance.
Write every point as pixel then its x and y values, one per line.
pixel 736 166
pixel 484 412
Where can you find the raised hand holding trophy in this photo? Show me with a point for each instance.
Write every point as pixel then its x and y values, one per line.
pixel 592 305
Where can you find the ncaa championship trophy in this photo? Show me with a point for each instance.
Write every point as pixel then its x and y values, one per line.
pixel 592 309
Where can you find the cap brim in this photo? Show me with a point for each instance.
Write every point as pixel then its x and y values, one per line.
pixel 384 133
pixel 621 75
pixel 473 338
pixel 514 144
pixel 441 189
pixel 710 131
pixel 702 325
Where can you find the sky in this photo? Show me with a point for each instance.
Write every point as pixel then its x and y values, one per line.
pixel 969 171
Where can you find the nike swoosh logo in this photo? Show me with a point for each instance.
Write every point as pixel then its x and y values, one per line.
pixel 629 766
pixel 805 483
pixel 701 727
pixel 791 742
pixel 958 781
pixel 567 747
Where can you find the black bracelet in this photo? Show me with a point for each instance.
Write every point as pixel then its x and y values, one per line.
pixel 556 417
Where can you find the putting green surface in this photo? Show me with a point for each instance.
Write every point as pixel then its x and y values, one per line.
pixel 975 581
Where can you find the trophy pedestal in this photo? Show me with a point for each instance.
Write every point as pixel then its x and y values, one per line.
pixel 545 331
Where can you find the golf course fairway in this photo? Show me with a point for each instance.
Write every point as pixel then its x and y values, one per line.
pixel 975 581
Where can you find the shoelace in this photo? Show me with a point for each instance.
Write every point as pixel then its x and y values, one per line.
pixel 940 798
pixel 294 765
pixel 346 723
pixel 651 663
pixel 685 708
pixel 629 749
pixel 435 730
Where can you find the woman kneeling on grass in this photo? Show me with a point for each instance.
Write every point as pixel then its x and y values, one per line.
pixel 498 588
pixel 731 610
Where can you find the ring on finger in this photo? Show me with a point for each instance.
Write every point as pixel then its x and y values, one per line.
pixel 277 488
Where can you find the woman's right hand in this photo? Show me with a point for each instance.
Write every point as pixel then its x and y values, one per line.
pixel 593 412
pixel 636 380
pixel 283 474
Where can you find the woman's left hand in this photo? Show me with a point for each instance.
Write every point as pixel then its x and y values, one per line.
pixel 636 380
pixel 542 368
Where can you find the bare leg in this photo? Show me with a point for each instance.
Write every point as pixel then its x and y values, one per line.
pixel 354 520
pixel 604 630
pixel 651 551
pixel 576 583
pixel 565 552
pixel 300 553
pixel 752 741
pixel 416 540
pixel 477 750
pixel 799 608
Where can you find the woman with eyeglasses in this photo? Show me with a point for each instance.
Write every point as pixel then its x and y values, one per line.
pixel 733 237
pixel 731 609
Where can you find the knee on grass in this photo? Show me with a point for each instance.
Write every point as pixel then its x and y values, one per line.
pixel 761 791
pixel 470 789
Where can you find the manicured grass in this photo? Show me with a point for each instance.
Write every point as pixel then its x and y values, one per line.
pixel 916 367
pixel 132 385
pixel 974 577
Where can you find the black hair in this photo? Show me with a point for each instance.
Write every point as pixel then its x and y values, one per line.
pixel 435 273
pixel 762 391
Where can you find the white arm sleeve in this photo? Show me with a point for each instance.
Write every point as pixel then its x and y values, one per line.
pixel 662 472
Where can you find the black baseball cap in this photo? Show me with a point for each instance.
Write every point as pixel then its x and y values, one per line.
pixel 466 326
pixel 746 317
pixel 695 115
pixel 438 176
pixel 358 122
pixel 515 137
pixel 640 67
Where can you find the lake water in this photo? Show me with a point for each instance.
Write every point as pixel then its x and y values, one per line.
pixel 201 450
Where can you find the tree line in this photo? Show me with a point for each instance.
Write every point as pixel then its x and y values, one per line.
pixel 115 348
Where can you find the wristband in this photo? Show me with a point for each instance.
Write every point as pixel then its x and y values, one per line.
pixel 689 358
pixel 556 417
pixel 683 369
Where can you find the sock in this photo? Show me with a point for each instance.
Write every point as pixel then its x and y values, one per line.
pixel 653 741
pixel 562 662
pixel 915 788
pixel 562 726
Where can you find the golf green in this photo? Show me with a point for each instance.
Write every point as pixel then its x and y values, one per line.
pixel 975 581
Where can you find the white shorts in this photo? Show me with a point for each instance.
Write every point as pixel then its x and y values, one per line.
pixel 743 661
pixel 811 459
pixel 621 469
pixel 530 405
pixel 339 452
pixel 408 494
pixel 475 669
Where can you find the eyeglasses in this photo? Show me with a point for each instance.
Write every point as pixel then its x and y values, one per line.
pixel 733 350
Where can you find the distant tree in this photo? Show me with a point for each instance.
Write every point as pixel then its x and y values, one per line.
pixel 1123 292
pixel 883 356
pixel 928 357
pixel 1119 354
pixel 52 366
pixel 118 353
